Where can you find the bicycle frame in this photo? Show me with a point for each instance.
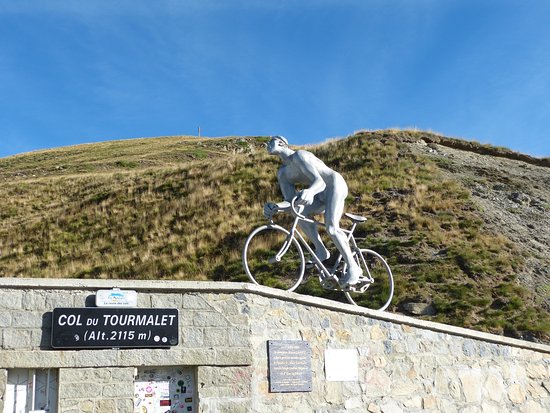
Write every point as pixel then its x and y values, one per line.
pixel 294 233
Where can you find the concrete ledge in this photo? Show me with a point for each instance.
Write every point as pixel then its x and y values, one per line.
pixel 231 288
pixel 125 358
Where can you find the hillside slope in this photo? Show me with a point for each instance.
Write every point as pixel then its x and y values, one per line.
pixel 466 233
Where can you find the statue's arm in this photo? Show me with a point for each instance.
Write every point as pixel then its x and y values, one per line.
pixel 287 187
pixel 306 162
pixel 288 190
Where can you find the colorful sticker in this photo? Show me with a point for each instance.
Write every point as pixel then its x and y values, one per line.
pixel 159 390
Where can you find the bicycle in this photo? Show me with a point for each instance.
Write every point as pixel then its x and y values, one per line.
pixel 274 256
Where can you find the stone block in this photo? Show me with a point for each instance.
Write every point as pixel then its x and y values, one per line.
pixel 11 299
pixel 150 357
pixel 234 356
pixel 192 337
pixel 429 402
pixel 15 338
pixel 59 299
pixel 86 406
pixel 210 319
pixel 391 406
pixel 414 403
pixel 31 319
pixel 225 405
pixel 122 374
pixel 535 390
pixel 85 374
pixel 228 306
pixel 494 388
pixel 536 371
pixel 516 393
pixel 79 390
pixel 353 403
pixel 373 408
pixel 125 405
pixel 202 356
pixel 213 337
pixel 238 337
pixel 166 301
pixel 471 387
pixel 533 407
pixel 194 301
pixel 402 387
pixel 144 300
pixel 106 406
pixel 469 348
pixel 377 333
pixel 5 318
pixel 97 358
pixel 117 390
pixel 378 383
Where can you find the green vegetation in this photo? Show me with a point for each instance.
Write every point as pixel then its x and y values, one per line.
pixel 180 208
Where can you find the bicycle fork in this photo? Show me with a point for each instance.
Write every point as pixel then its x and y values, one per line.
pixel 285 246
pixel 282 251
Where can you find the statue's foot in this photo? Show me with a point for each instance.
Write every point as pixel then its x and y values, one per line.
pixel 323 255
pixel 351 277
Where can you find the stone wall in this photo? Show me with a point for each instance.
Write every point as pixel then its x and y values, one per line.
pixel 405 365
pixel 96 389
pixel 402 368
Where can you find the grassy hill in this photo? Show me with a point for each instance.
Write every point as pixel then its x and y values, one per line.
pixel 181 208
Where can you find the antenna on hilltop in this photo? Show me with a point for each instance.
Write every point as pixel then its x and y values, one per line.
pixel 199 131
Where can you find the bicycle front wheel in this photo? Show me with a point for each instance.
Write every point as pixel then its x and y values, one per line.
pixel 379 293
pixel 272 257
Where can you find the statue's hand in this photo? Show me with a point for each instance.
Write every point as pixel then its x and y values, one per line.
pixel 306 197
pixel 269 209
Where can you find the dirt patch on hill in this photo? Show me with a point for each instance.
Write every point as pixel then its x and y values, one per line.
pixel 513 199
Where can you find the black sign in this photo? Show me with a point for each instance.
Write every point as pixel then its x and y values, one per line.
pixel 114 327
pixel 289 366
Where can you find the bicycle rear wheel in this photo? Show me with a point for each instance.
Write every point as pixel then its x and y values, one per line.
pixel 274 259
pixel 379 292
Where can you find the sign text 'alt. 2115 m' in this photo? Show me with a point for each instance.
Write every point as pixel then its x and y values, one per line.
pixel 114 327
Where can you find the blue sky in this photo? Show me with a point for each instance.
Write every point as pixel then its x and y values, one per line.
pixel 85 71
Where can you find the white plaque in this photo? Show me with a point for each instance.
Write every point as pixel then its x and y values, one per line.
pixel 341 365
pixel 116 298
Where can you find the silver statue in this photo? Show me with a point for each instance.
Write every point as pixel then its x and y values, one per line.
pixel 326 192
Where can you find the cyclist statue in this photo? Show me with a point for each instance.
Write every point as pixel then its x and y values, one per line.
pixel 326 191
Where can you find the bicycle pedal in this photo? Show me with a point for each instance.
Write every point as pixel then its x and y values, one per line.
pixel 364 280
pixel 349 288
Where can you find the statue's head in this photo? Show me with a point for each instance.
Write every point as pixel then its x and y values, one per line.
pixel 276 143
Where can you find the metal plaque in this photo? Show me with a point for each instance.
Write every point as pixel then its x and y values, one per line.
pixel 289 366
pixel 94 327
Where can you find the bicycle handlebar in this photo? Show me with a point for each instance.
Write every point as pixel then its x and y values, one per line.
pixel 297 211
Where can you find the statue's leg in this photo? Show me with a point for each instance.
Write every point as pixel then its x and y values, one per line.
pixel 312 232
pixel 334 208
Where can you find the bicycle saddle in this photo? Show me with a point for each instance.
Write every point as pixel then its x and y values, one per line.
pixel 355 218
